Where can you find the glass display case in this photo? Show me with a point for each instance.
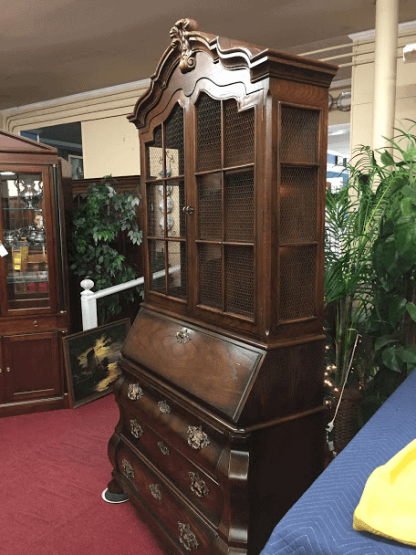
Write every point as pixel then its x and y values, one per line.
pixel 33 306
pixel 24 236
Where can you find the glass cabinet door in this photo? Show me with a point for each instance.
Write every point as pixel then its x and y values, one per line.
pixel 165 196
pixel 24 237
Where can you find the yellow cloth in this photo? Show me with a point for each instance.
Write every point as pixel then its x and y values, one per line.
pixel 388 504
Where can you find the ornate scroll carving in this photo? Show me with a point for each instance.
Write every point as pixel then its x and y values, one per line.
pixel 127 469
pixel 136 429
pixel 198 486
pixel 197 439
pixel 179 34
pixel 164 407
pixel 134 392
pixel 155 491
pixel 187 537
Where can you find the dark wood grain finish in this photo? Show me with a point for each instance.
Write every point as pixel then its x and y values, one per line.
pixel 210 367
pixel 230 334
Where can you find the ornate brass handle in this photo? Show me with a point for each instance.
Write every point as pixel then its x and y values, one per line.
pixel 164 448
pixel 197 439
pixel 7 368
pixel 187 537
pixel 183 336
pixel 188 210
pixel 136 429
pixel 155 491
pixel 127 469
pixel 164 407
pixel 134 392
pixel 35 323
pixel 198 486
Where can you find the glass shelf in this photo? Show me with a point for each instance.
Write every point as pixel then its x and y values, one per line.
pixel 24 237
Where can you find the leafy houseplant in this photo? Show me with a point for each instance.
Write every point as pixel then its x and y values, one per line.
pixel 92 254
pixel 352 220
pixel 370 260
pixel 393 315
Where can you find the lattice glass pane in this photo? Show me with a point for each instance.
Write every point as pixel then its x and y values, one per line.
pixel 154 216
pixel 210 275
pixel 298 198
pixel 299 132
pixel 177 269
pixel 209 207
pixel 175 143
pixel 175 202
pixel 157 266
pixel 239 206
pixel 239 134
pixel 239 280
pixel 208 133
pixel 154 156
pixel 297 282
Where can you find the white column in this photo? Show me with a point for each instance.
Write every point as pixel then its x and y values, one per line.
pixel 88 305
pixel 387 19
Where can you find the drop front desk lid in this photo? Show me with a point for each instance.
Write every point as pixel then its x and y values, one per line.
pixel 214 369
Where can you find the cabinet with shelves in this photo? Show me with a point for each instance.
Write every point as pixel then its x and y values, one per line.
pixel 223 366
pixel 33 299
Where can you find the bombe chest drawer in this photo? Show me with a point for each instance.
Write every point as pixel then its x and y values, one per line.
pixel 210 480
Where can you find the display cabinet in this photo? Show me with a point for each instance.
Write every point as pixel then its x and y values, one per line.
pixel 33 307
pixel 220 396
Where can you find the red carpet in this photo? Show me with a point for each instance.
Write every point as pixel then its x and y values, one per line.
pixel 54 467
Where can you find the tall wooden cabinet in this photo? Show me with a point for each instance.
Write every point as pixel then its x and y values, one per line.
pixel 33 306
pixel 220 399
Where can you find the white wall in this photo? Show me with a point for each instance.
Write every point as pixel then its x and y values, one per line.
pixel 110 146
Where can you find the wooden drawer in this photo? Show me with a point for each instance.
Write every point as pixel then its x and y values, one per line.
pixel 190 533
pixel 214 369
pixel 30 324
pixel 201 489
pixel 197 440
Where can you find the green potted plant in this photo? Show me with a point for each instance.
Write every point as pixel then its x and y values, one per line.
pixel 370 267
pixel 92 249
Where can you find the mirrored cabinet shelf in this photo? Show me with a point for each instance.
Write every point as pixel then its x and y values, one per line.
pixel 32 277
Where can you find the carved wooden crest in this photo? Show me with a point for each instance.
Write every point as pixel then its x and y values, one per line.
pixel 180 34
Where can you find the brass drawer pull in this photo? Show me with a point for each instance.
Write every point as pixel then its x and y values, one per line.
pixel 198 486
pixel 164 448
pixel 134 392
pixel 35 323
pixel 7 368
pixel 187 537
pixel 136 429
pixel 127 469
pixel 197 439
pixel 155 491
pixel 164 407
pixel 183 337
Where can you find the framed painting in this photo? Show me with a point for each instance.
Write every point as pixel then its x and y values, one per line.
pixel 91 361
pixel 77 166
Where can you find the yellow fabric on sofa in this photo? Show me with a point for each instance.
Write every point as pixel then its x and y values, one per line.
pixel 388 504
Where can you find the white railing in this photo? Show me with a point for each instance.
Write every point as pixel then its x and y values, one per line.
pixel 89 298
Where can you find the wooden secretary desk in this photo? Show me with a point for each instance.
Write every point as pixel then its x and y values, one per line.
pixel 220 398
